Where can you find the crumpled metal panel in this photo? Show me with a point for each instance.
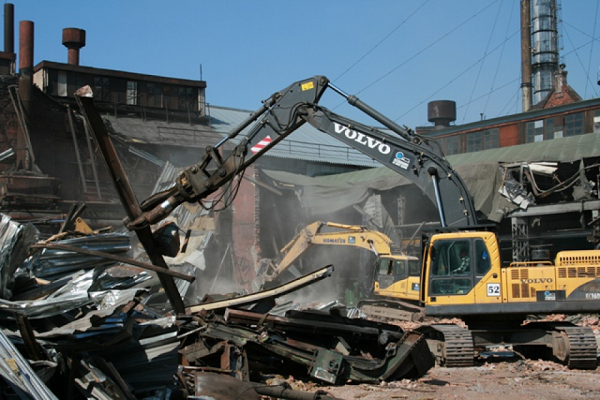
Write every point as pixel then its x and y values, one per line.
pixel 71 296
pixel 52 263
pixel 16 370
pixel 15 240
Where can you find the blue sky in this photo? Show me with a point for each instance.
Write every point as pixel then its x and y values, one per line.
pixel 395 55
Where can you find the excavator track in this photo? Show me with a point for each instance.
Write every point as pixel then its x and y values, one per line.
pixel 583 349
pixel 455 345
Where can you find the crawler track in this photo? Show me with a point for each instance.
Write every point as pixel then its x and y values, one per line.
pixel 583 349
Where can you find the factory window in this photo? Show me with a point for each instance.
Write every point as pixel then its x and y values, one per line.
pixel 187 99
pixel 153 95
pixel 102 88
pixel 535 131
pixel 474 141
pixel 491 139
pixel 552 129
pixel 62 84
pixel 201 102
pixel 132 93
pixel 452 145
pixel 574 124
pixel 597 121
pixel 546 129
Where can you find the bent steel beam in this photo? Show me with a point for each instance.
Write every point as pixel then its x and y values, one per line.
pixel 132 208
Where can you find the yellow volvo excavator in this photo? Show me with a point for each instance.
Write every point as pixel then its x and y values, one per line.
pixel 463 276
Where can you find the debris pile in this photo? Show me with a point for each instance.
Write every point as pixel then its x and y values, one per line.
pixel 80 319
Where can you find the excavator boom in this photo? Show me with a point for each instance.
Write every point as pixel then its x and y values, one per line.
pixel 415 158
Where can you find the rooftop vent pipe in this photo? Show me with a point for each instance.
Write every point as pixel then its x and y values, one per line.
pixel 73 39
pixel 441 113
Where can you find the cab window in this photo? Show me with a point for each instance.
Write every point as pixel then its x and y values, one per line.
pixel 483 258
pixel 399 268
pixel 414 268
pixel 385 267
pixel 451 267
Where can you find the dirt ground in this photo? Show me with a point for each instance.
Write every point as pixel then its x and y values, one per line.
pixel 495 379
pixel 524 379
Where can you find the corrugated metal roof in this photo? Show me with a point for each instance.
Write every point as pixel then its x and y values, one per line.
pixel 137 130
pixel 307 143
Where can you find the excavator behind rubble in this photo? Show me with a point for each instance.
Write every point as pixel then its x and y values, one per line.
pixel 492 298
pixel 397 275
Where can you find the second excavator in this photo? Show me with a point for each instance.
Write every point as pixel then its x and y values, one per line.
pixel 397 275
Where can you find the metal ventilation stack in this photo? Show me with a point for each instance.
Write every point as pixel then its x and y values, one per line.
pixel 544 47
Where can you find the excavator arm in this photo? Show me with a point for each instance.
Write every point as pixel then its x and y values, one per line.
pixel 412 156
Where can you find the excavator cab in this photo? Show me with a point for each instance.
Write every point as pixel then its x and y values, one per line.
pixel 459 268
pixel 398 276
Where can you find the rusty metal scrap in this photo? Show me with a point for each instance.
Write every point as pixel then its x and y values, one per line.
pixel 105 332
pixel 310 340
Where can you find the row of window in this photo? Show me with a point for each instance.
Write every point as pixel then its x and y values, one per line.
pixel 555 127
pixel 130 92
pixel 474 141
pixel 535 131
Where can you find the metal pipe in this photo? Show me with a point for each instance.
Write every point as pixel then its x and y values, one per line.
pixel 526 54
pixel 77 155
pixel 371 112
pixel 433 173
pixel 7 154
pixel 92 160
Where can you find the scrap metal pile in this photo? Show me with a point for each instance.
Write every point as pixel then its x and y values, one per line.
pixel 81 319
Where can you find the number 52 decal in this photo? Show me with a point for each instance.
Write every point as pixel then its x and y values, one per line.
pixel 493 289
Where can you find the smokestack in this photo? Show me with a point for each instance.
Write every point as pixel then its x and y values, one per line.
pixel 9 28
pixel 24 159
pixel 26 47
pixel 73 39
pixel 526 54
pixel 25 63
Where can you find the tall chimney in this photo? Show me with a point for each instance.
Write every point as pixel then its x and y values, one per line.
pixel 526 54
pixel 26 47
pixel 24 159
pixel 73 39
pixel 9 28
pixel 25 63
